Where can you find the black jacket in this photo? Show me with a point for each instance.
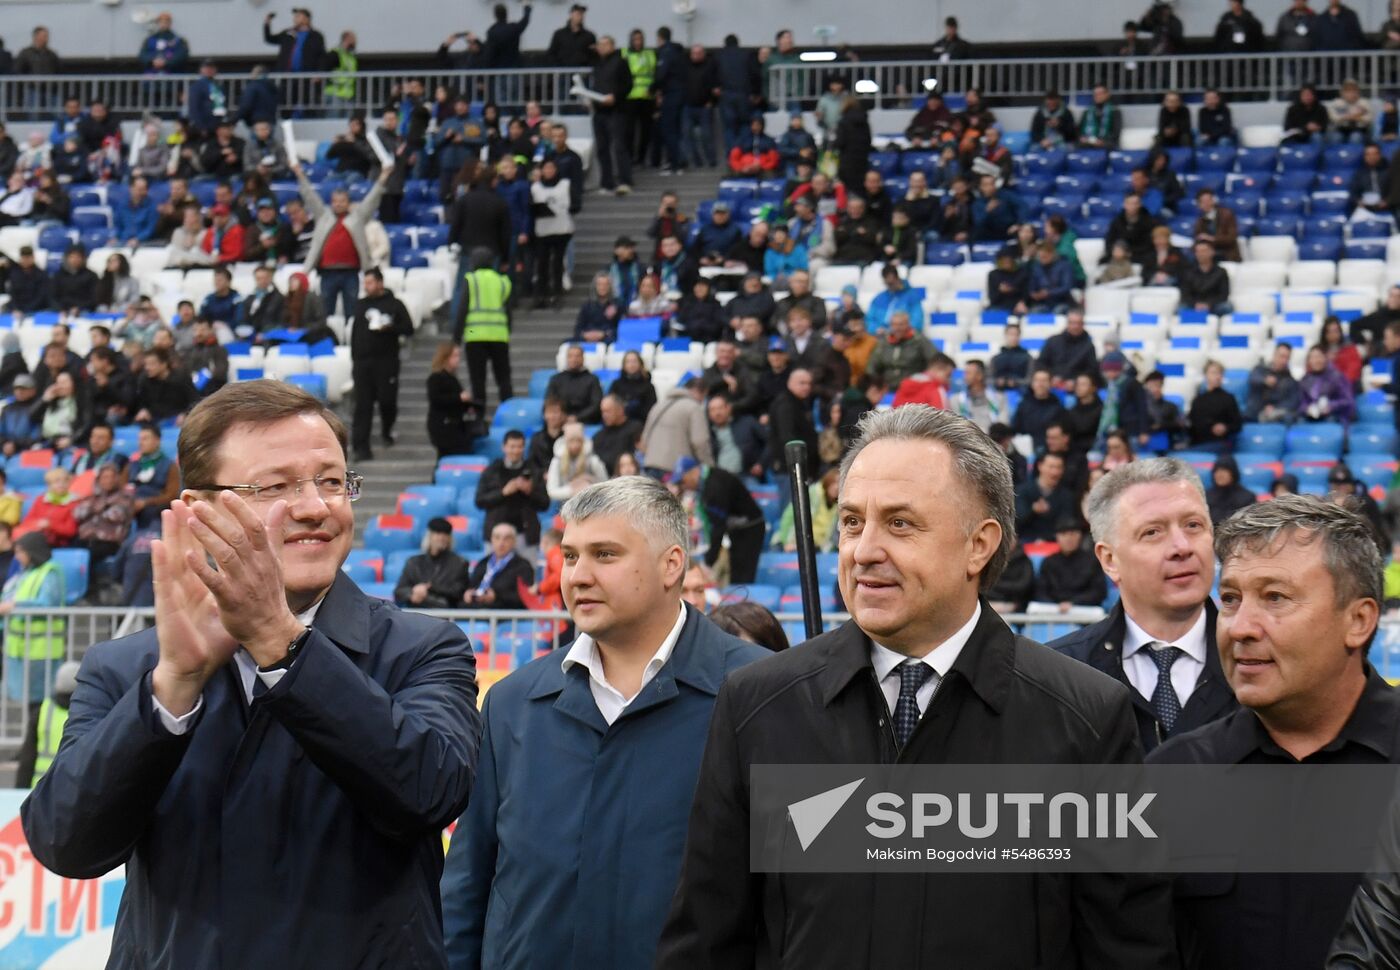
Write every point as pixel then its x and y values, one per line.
pixel 612 76
pixel 1005 700
pixel 738 71
pixel 1210 287
pixel 744 397
pixel 610 443
pixel 852 140
pixel 1033 526
pixel 166 398
pixel 1210 408
pixel 1246 27
pixel 445 574
pixel 1082 423
pixel 75 290
pixel 1284 921
pixel 313 49
pixel 571 48
pixel 31 291
pixel 1100 646
pixel 502 45
pixel 506 583
pixel 638 395
pixel 519 509
pixel 1034 415
pixel 703 321
pixel 265 312
pixel 700 82
pixel 379 323
pixel 1136 235
pixel 481 218
pixel 580 393
pixel 730 507
pixel 1067 356
pixel 1077 578
pixel 790 420
pixel 541 451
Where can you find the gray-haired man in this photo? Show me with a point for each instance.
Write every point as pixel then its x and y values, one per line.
pixel 925 672
pixel 1300 593
pixel 569 850
pixel 1152 535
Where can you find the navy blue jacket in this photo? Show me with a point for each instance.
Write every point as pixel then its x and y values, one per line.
pixel 200 108
pixel 304 830
pixel 569 852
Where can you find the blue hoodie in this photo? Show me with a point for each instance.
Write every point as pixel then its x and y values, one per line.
pixel 517 195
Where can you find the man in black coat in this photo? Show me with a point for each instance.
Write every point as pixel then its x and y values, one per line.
pixel 612 78
pixel 1152 535
pixel 1307 696
pixel 925 672
pixel 1043 500
pixel 618 435
pixel 436 578
pixel 790 419
pixel 480 218
pixel 1071 576
pixel 494 582
pixel 572 44
pixel 729 511
pixel 576 388
pixel 1070 352
pixel 512 491
pixel 380 321
pixel 730 375
pixel 299 48
pixel 29 287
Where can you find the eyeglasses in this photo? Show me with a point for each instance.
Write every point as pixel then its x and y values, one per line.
pixel 330 488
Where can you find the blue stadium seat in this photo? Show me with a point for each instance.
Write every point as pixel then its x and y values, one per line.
pixel 764 595
pixel 91 217
pixel 1075 183
pixel 1180 159
pixel 1256 159
pixel 360 573
pixel 379 591
pixel 1376 468
pixel 389 532
pixel 1345 155
pixel 1365 249
pixel 428 505
pixel 1292 181
pixel 1068 206
pixel 944 254
pixel 313 384
pixel 1091 227
pixel 886 163
pixel 1372 438
pixel 1283 204
pixel 75 564
pixel 1103 208
pixel 1327 204
pixel 518 413
pixel 463 479
pixel 1261 439
pixel 409 259
pixel 1090 161
pixel 639 330
pixel 1315 439
pixel 1324 227
pixel 1330 249
pixel 1123 161
pixel 918 161
pixel 1296 157
pixel 1374 409
pixel 1215 158
pixel 1372 229
pixel 1272 225
pixel 372 559
pixel 778 569
pixel 394 563
pixel 1043 163
pixel 1215 181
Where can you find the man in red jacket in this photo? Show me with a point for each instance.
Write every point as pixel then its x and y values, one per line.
pixel 929 387
pixel 224 239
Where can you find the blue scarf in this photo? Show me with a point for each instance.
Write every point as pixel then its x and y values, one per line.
pixel 493 569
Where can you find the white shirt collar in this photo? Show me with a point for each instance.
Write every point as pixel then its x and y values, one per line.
pixel 1193 643
pixel 940 658
pixel 584 651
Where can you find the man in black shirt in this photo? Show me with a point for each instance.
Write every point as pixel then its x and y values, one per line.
pixel 30 287
pixel 437 578
pixel 380 320
pixel 1043 500
pixel 729 511
pixel 617 436
pixel 572 45
pixel 1072 576
pixel 162 392
pixel 576 388
pixel 1300 594
pixel 512 491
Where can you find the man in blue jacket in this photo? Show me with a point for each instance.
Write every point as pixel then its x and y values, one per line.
pixel 135 219
pixel 208 101
pixel 275 761
pixel 569 852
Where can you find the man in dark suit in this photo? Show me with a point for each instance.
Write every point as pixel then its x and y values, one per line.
pixel 275 761
pixel 1152 534
pixel 1300 594
pixel 925 672
pixel 494 582
pixel 568 852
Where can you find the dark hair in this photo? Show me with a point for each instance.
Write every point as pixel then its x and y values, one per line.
pixel 750 621
pixel 514 434
pixel 664 33
pixel 150 426
pixel 223 271
pixel 375 272
pixel 257 403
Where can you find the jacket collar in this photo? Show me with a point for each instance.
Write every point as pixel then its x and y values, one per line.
pixel 986 663
pixel 344 615
pixel 1107 656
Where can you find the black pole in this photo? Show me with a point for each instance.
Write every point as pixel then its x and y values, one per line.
pixel 796 453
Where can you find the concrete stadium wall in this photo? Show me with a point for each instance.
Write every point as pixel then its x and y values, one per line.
pixel 91 28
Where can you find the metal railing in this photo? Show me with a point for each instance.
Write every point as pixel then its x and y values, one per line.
pixel 894 84
pixel 40 98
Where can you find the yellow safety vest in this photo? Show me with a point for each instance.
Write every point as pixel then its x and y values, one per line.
pixel 44 636
pixel 642 64
pixel 52 718
pixel 342 83
pixel 487 319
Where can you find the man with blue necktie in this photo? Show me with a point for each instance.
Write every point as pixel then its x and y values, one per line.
pixel 493 583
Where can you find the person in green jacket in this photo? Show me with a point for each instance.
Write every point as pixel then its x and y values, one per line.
pixel 344 65
pixel 37 751
pixel 486 323
pixel 35 644
pixel 641 100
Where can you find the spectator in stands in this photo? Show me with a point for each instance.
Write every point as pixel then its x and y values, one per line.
pixel 264 308
pixel 339 248
pixel 1341 352
pixel 1119 270
pixel 100 451
pixel 699 315
pixel 902 351
pixel 1070 352
pixel 554 227
pixel 1238 31
pixel 1337 28
pixel 1117 451
pixel 51 515
pixel 597 317
pixel 494 581
pixel 450 407
pixel 1366 193
pixel 1052 125
pixel 831 372
pixel 613 79
pixel 1006 284
pixel 1049 284
pixel 754 299
pixel 223 240
pixel 1226 496
pixel 36 157
pixel 1125 400
pixel 1163 416
pixel 1042 501
pixel 187 242
pixel 852 144
pixel 1390 37
pixel 134 222
pixel 669 221
pixel 1072 575
pixel 717 237
pixel 1306 120
pixel 111 385
pixel 751 343
pixel 221 305
pixel 1058 442
pixel 773 377
pixel 222 155
pixel 1214 123
pixel 859 236
pixel 206 359
pixel 1011 366
pixel 1343 489
pixel 512 491
pixel 1323 393
pixel 542 442
pixel 104 517
pixel 117 289
pixel 207 103
pixel 1367 331
pixel 574 466
pixel 633 387
pixel 1216 225
pixel 1349 115
pixel 783 256
pixel 18 430
pixel 651 301
pixel 61 414
pixel 1174 123
pixel 1164 26
pixel 625 271
pixel 1214 418
pixel 17 202
pixel 576 388
pixel 75 286
pixel 380 322
pixel 38 58
pixel 729 375
pixel 877 200
pixel 1132 226
pixel 795 146
pixel 572 45
pixel 30 288
pixel 268 240
pixel 1101 124
pixel 1038 409
pixel 1163 264
pixel 97 129
pixel 739 443
pixel 1204 285
pixel 1082 420
pixel 299 47
pixel 437 577
pixel 721 508
pixel 993 217
pixel 790 419
pixel 618 435
pixel 164 51
pixel 65 126
pixel 930 387
pixel 677 427
pixel 897 296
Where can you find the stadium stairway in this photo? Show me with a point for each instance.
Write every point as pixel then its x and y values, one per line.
pixel 535 338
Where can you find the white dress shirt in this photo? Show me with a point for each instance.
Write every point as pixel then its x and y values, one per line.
pixel 248 673
pixel 611 703
pixel 940 658
pixel 1141 670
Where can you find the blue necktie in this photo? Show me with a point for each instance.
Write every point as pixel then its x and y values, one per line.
pixel 1165 704
pixel 912 675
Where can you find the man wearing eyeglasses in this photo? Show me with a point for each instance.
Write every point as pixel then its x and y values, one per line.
pixel 275 761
